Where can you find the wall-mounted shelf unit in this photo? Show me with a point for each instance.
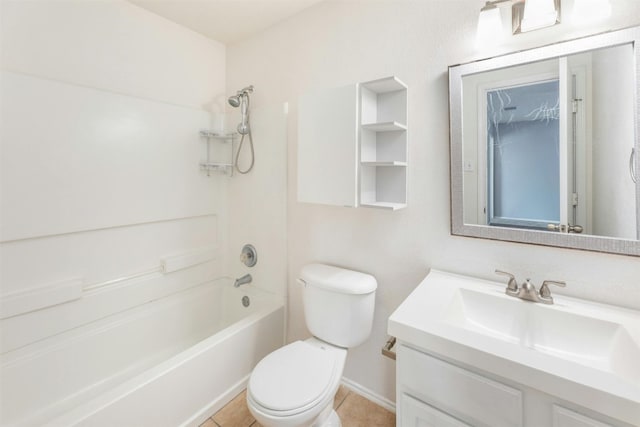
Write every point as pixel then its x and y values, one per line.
pixel 352 145
pixel 225 166
pixel 383 144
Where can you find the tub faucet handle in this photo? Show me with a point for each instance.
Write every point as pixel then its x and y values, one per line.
pixel 249 255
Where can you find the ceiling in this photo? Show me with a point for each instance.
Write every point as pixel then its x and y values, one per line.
pixel 227 21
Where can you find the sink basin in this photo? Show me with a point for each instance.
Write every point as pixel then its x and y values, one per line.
pixel 581 351
pixel 590 341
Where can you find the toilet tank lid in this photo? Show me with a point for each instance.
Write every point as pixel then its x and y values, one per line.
pixel 338 279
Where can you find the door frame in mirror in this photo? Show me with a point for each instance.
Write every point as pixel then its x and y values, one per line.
pixel 563 240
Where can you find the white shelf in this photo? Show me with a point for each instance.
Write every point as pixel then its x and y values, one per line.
pixel 214 135
pixel 384 205
pixel 383 144
pixel 390 163
pixel 384 127
pixel 387 84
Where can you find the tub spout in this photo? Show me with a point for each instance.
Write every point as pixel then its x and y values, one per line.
pixel 243 280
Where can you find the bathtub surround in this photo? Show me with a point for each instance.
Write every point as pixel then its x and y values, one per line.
pixel 106 217
pixel 99 167
pixel 103 206
pixel 339 42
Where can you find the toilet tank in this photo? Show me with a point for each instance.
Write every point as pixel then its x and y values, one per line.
pixel 338 303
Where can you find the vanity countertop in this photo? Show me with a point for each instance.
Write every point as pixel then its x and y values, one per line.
pixel 581 351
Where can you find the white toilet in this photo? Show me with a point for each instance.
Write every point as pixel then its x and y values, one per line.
pixel 295 385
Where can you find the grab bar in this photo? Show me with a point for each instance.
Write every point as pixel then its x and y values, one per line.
pixel 632 165
pixel 387 350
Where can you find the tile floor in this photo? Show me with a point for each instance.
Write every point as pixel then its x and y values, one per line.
pixel 353 409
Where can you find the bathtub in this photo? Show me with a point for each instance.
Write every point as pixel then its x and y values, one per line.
pixel 170 362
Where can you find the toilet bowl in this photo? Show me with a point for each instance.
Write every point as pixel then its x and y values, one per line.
pixel 295 385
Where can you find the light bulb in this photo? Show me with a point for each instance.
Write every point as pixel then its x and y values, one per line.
pixel 489 26
pixel 538 14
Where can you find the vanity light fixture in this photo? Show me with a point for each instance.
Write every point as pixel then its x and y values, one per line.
pixel 529 15
pixel 539 14
pixel 490 24
pixel 526 15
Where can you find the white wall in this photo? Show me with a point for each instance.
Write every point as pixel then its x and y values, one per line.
pixel 101 106
pixel 341 42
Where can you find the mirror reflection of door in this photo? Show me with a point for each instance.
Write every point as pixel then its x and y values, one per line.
pixel 536 139
pixel 523 155
pixel 548 145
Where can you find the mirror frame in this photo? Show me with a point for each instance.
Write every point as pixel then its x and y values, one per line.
pixel 546 238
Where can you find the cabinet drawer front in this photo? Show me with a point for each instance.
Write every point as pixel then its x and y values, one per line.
pixel 563 417
pixel 418 414
pixel 459 391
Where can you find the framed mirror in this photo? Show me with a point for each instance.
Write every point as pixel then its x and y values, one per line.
pixel 544 144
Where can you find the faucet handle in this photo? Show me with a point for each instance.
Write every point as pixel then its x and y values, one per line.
pixel 545 292
pixel 512 285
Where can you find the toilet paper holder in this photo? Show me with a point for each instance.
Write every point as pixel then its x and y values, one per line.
pixel 387 349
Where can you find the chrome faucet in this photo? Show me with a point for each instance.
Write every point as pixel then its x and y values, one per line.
pixel 528 290
pixel 243 280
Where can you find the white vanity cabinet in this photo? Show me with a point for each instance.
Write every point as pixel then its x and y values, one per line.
pixel 432 392
pixel 352 145
pixel 468 354
pixel 466 397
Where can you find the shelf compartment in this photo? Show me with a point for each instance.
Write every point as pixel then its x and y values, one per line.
pixel 383 186
pixel 384 126
pixel 383 101
pixel 383 146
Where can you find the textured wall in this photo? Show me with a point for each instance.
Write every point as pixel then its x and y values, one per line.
pixel 341 42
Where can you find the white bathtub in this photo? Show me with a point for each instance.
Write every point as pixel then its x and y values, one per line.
pixel 170 362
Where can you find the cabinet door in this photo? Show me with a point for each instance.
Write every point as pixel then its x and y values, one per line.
pixel 563 417
pixel 415 413
pixel 327 147
pixel 458 391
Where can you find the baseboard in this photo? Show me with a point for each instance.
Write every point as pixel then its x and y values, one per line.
pixel 370 395
pixel 217 404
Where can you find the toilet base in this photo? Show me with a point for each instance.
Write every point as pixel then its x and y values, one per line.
pixel 327 418
pixel 333 420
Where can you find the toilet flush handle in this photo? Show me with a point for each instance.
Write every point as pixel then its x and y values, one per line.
pixel 301 282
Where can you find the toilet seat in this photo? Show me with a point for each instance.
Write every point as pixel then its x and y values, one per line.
pixel 294 378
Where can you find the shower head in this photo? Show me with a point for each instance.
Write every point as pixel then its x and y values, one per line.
pixel 241 99
pixel 235 100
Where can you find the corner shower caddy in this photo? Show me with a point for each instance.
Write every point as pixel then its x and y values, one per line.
pixel 209 165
